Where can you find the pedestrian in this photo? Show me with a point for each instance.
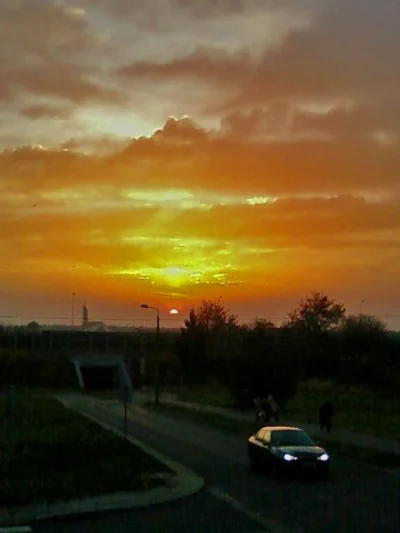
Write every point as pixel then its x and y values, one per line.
pixel 273 408
pixel 266 409
pixel 325 416
pixel 257 407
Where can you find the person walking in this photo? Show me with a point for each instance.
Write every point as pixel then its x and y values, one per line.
pixel 273 408
pixel 325 416
pixel 257 407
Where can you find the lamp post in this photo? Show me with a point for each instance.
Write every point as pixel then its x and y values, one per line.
pixel 361 304
pixel 145 306
pixel 157 391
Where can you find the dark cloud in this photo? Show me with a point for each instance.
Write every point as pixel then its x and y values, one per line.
pixel 381 115
pixel 348 53
pixel 46 49
pixel 40 111
pixel 41 28
pixel 215 66
pixel 182 155
pixel 294 222
pixel 203 10
pixel 64 80
pixel 258 122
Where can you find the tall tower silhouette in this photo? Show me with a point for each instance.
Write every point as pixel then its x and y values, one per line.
pixel 85 315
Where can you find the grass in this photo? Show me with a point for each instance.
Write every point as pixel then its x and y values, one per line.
pixel 216 395
pixel 108 394
pixel 247 428
pixel 56 455
pixel 356 409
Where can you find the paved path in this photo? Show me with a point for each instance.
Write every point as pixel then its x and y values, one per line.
pixel 338 435
pixel 355 499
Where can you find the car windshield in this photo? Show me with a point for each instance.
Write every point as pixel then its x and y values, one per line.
pixel 291 437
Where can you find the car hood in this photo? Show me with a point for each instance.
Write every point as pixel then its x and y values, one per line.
pixel 302 451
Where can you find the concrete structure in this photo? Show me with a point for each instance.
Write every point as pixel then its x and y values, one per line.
pixel 116 364
pixel 91 326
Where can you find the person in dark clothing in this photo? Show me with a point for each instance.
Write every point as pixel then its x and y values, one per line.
pixel 258 407
pixel 266 410
pixel 273 408
pixel 325 416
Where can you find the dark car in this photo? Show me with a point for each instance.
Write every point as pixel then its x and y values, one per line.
pixel 286 448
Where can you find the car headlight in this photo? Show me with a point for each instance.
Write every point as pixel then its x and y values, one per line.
pixel 289 457
pixel 323 457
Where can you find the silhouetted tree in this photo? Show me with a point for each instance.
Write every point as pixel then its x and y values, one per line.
pixel 366 351
pixel 261 325
pixel 211 316
pixel 204 341
pixel 366 325
pixel 316 314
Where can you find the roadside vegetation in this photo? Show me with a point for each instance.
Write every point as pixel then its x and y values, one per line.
pixel 320 352
pixel 55 454
pixel 356 409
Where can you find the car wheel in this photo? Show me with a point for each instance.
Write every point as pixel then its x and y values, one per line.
pixel 323 475
pixel 273 470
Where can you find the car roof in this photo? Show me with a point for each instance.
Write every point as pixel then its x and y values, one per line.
pixel 281 428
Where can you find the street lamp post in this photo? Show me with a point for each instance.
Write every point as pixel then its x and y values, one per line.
pixel 145 306
pixel 361 305
pixel 157 391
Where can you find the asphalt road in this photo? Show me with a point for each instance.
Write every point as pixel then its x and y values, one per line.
pixel 355 499
pixel 200 513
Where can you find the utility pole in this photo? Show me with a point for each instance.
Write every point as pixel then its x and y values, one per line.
pixel 158 377
pixel 73 309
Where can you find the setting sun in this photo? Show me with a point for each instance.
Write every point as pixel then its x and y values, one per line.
pixel 168 170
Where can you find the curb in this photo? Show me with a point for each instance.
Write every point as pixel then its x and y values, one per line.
pixel 184 483
pixel 18 529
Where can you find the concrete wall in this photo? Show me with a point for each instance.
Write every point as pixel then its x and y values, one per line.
pixel 116 364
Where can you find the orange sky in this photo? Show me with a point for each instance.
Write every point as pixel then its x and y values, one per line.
pixel 165 152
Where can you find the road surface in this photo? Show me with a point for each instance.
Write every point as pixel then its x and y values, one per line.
pixel 200 513
pixel 356 499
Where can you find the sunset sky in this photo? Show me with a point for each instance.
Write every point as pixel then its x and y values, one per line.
pixel 165 151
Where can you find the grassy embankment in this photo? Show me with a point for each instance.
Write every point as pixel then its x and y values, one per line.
pixel 55 455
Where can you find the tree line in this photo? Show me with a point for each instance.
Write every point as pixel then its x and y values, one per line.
pixel 319 340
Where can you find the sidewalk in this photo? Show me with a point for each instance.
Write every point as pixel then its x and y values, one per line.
pixel 340 435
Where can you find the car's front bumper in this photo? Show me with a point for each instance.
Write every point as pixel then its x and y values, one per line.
pixel 305 465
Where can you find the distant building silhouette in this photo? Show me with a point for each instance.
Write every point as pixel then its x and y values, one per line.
pixel 85 316
pixel 91 326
